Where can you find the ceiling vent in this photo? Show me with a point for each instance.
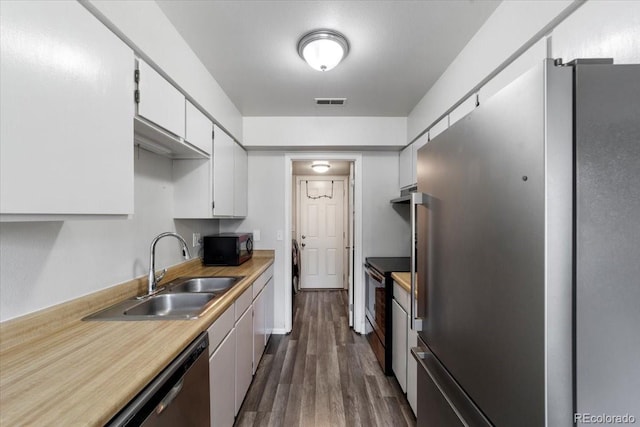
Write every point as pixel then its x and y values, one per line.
pixel 330 101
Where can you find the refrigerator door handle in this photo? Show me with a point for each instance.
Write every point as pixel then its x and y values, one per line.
pixel 417 199
pixel 461 404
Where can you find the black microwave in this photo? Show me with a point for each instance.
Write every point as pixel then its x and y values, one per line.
pixel 227 248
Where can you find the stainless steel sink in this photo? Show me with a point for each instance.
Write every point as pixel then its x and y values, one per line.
pixel 215 285
pixel 171 305
pixel 183 298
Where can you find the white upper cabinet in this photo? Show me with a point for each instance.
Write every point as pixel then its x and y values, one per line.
pixel 199 129
pixel 215 187
pixel 223 173
pixel 159 101
pixel 240 182
pixel 67 108
pixel 192 188
pixel 417 144
pixel 406 167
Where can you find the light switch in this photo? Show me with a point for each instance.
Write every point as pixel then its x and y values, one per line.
pixel 256 235
pixel 279 235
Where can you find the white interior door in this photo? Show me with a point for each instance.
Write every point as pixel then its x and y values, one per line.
pixel 321 233
pixel 351 224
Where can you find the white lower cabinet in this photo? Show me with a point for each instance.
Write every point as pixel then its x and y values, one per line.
pixel 258 328
pixel 399 344
pixel 222 367
pixel 404 365
pixel 237 340
pixel 268 296
pixel 244 356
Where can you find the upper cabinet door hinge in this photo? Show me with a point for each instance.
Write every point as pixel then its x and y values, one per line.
pixel 213 134
pixel 136 96
pixel 136 76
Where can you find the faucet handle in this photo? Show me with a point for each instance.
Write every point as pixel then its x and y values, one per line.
pixel 161 275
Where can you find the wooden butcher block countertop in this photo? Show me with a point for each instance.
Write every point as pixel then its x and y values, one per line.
pixel 56 369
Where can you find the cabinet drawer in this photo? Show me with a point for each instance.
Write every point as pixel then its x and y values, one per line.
pixel 401 296
pixel 262 280
pixel 243 302
pixel 220 328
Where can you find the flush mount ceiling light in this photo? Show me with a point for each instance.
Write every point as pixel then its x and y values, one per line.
pixel 323 49
pixel 320 166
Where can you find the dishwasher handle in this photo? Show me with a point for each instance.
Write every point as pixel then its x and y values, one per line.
pixel 170 397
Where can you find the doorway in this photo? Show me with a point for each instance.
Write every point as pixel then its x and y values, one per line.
pixel 351 253
pixel 321 226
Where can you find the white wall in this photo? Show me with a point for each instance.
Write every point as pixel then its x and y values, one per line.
pixel 324 132
pixel 385 229
pixel 595 29
pixel 46 263
pixel 148 28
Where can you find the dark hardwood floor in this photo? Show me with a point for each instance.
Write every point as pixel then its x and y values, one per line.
pixel 322 374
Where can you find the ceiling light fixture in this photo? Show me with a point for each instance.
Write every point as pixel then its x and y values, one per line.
pixel 323 49
pixel 320 166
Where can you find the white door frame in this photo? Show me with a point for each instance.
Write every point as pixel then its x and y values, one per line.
pixel 358 281
pixel 345 217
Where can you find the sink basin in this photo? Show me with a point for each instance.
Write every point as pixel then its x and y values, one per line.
pixel 215 285
pixel 183 298
pixel 163 306
pixel 174 305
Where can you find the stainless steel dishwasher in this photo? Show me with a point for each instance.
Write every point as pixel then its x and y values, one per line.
pixel 178 396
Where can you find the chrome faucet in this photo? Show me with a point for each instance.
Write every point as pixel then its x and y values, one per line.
pixel 153 280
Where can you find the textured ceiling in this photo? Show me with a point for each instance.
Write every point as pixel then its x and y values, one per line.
pixel 398 50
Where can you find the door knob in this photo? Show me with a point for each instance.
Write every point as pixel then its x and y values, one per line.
pixel 304 237
pixel 303 245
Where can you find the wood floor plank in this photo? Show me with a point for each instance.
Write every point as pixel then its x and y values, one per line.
pixel 308 407
pixel 271 386
pixel 322 374
pixel 279 405
pixel 246 418
pixel 294 405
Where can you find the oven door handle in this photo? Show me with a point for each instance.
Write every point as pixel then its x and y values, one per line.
pixel 376 276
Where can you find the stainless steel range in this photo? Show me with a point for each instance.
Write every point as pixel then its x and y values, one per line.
pixel 378 296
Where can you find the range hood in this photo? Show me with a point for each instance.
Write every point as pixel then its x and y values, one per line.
pixel 405 195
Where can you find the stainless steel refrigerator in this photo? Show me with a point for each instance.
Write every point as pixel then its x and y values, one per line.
pixel 527 220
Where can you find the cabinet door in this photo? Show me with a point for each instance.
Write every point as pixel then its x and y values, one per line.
pixel 160 102
pixel 192 183
pixel 241 181
pixel 417 144
pixel 199 129
pixel 399 344
pixel 223 186
pixel 222 366
pixel 66 105
pixel 269 309
pixel 406 167
pixel 244 356
pixel 258 328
